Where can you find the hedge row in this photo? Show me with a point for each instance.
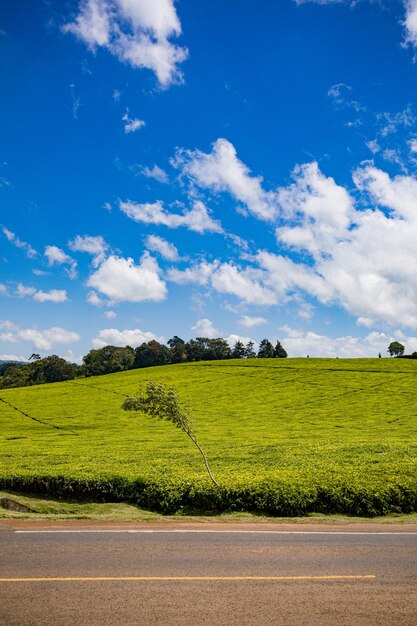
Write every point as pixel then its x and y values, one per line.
pixel 270 498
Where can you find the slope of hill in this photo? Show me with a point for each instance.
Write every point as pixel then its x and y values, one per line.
pixel 282 436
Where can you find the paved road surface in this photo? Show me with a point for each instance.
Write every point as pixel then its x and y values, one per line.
pixel 160 574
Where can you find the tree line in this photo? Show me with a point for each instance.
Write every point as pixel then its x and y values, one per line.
pixel 110 359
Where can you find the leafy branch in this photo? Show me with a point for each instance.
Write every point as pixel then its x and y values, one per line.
pixel 163 403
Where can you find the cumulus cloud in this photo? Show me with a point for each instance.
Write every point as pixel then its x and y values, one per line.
pixel 12 357
pixel 23 245
pixel 137 32
pixel 363 260
pixel 40 339
pixel 222 171
pixel 205 328
pixel 94 299
pixel 319 210
pixel 299 344
pixel 247 284
pixel 199 273
pixel 3 289
pixel 123 281
pixel 155 172
pixel 196 219
pixel 110 315
pixel 53 295
pixel 96 246
pixel 131 124
pixel 128 337
pixel 249 321
pixel 410 22
pixel 166 249
pixel 56 256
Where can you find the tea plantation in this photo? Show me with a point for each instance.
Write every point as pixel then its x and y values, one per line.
pixel 283 437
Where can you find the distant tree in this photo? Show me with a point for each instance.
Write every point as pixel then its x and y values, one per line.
pixel 14 376
pixel 178 353
pixel 279 351
pixel 414 355
pixel 51 369
pixel 266 349
pixel 217 349
pixel 34 357
pixel 205 349
pixel 238 351
pixel 249 350
pixel 150 354
pixel 107 360
pixel 379 355
pixel 396 349
pixel 163 403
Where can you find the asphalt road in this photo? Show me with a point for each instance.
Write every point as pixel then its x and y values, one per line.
pixel 165 574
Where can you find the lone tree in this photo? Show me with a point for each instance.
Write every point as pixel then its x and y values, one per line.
pixel 279 351
pixel 266 350
pixel 395 348
pixel 238 351
pixel 163 403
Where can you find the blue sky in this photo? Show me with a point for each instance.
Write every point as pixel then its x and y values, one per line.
pixel 210 168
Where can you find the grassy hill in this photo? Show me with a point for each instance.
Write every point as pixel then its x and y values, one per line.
pixel 283 437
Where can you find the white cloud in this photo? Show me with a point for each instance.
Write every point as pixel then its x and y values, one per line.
pixel 221 170
pixel 94 299
pixel 205 328
pixel 53 295
pixel 410 22
pixel 39 272
pixel 250 322
pixel 121 280
pixel 246 284
pixel 199 273
pixel 128 337
pixel 196 219
pixel 56 256
pixel 299 344
pixel 166 249
pixel 155 172
pixel 363 260
pixel 23 245
pixel 132 124
pixel 413 144
pixel 137 32
pixel 12 357
pixel 23 290
pixel 231 340
pixel 3 289
pixel 321 211
pixel 110 315
pixel 40 339
pixel 92 245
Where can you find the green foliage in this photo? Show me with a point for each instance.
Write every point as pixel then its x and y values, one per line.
pixel 238 351
pixel 51 369
pixel 279 351
pixel 203 348
pixel 287 436
pixel 107 360
pixel 249 350
pixel 163 403
pixel 396 349
pixel 266 350
pixel 151 354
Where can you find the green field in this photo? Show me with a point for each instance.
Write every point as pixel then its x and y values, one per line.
pixel 284 437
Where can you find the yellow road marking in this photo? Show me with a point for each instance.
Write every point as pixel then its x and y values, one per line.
pixel 183 578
